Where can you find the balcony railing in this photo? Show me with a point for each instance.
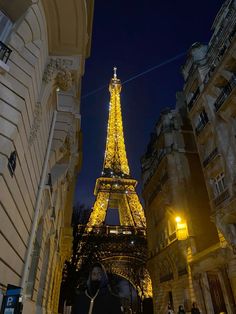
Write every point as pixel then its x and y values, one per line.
pixel 172 237
pixel 158 187
pixel 209 73
pixel 117 230
pixel 210 157
pixel 193 99
pixel 4 52
pixel 156 161
pixel 201 125
pixel 222 197
pixel 225 93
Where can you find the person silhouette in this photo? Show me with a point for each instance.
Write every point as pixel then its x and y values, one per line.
pixel 195 309
pixel 181 310
pixel 97 298
pixel 169 309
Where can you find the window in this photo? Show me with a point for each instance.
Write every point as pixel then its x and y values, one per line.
pixel 202 118
pixel 234 125
pixel 200 121
pixel 219 184
pixel 12 163
pixel 5 26
pixel 171 227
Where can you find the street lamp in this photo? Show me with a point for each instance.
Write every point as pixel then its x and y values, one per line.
pixel 178 219
pixel 181 229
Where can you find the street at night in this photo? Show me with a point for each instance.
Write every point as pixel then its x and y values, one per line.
pixel 117 157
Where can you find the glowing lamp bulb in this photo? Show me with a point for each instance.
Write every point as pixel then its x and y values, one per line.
pixel 177 219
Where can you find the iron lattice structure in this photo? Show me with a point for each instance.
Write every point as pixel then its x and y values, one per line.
pixel 122 249
pixel 116 189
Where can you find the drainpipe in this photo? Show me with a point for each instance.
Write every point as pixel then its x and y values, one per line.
pixel 37 207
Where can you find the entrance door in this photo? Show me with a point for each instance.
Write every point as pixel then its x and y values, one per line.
pixel 216 293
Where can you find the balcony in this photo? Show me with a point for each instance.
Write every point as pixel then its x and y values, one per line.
pixel 156 161
pixel 201 125
pixel 210 157
pixel 4 52
pixel 209 73
pixel 225 93
pixel 158 187
pixel 172 237
pixel 193 99
pixel 222 197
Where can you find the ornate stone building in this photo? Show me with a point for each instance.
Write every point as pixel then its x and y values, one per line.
pixel 174 190
pixel 210 93
pixel 209 74
pixel 43 47
pixel 200 189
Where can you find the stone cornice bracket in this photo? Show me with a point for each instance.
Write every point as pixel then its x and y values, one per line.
pixel 36 123
pixel 58 69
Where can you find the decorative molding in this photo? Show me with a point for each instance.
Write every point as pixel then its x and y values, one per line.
pixel 59 69
pixel 36 123
pixel 64 79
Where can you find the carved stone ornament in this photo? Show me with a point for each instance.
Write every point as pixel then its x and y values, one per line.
pixel 59 68
pixel 64 80
pixel 36 123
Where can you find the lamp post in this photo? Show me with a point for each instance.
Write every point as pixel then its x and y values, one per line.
pixel 181 228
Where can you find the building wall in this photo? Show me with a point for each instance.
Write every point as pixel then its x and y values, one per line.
pixel 40 122
pixel 209 90
pixel 174 186
pixel 200 185
pixel 212 115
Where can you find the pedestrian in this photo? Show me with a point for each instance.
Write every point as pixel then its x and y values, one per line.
pixel 169 309
pixel 195 309
pixel 97 298
pixel 181 310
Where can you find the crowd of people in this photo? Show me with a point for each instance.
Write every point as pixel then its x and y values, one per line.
pixel 181 310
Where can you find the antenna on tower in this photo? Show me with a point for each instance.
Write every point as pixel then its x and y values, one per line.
pixel 115 76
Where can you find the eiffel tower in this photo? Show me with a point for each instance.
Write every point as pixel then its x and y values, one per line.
pixel 122 248
pixel 116 189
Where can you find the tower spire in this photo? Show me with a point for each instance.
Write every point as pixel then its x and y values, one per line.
pixel 115 160
pixel 115 76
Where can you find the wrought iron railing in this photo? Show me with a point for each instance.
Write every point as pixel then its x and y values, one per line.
pixel 225 93
pixel 210 157
pixel 172 237
pixel 4 52
pixel 117 230
pixel 222 197
pixel 158 187
pixel 156 161
pixel 193 99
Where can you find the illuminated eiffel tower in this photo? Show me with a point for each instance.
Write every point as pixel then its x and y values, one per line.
pixel 123 248
pixel 116 189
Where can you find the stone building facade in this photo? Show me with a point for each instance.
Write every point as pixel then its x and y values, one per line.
pixel 210 81
pixel 174 189
pixel 43 47
pixel 209 250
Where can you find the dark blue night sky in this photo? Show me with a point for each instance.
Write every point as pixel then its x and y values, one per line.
pixel 135 36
